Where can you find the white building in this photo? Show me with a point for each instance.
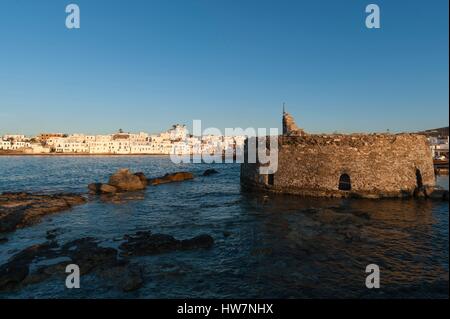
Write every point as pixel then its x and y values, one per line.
pixel 18 145
pixel 36 148
pixel 71 147
pixel 5 145
pixel 15 137
pixel 178 132
pixel 439 147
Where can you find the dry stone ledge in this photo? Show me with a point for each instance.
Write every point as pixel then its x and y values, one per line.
pixel 124 181
pixel 19 210
pixel 170 178
pixel 121 181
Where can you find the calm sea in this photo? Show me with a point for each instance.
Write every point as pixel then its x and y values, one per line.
pixel 265 246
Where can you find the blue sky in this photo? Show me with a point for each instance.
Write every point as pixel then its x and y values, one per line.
pixel 142 65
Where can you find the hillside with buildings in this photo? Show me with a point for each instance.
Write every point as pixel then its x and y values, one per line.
pixel 176 140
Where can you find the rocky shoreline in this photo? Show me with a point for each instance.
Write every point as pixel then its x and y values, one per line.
pixel 21 209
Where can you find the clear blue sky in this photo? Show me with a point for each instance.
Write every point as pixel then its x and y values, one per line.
pixel 142 65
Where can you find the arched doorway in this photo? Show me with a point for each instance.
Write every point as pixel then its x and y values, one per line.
pixel 345 183
pixel 270 179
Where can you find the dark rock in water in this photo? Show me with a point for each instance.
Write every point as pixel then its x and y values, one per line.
pixel 3 240
pixel 18 210
pixel 169 178
pixel 94 188
pixel 99 188
pixel 124 180
pixel 439 194
pixel 12 275
pixel 132 279
pixel 51 234
pixel 86 253
pixel 126 276
pixel 142 177
pixel 107 189
pixel 202 241
pixel 420 192
pixel 226 234
pixel 91 258
pixel 44 273
pixel 209 172
pixel 146 243
pixel 17 268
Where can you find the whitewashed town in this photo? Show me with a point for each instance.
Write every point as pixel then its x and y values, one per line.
pixel 176 140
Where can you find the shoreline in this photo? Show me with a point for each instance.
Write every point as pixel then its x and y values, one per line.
pixel 76 154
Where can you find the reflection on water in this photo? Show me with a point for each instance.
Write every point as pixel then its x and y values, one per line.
pixel 266 246
pixel 442 181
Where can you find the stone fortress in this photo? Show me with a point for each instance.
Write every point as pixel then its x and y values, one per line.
pixel 345 165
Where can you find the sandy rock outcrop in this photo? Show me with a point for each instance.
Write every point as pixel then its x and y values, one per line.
pixel 170 178
pixel 18 210
pixel 124 180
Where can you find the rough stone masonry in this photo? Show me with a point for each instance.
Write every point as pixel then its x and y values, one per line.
pixel 346 165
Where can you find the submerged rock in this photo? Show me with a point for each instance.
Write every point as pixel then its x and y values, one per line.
pixel 94 188
pixel 132 278
pixel 84 252
pixel 439 194
pixel 18 210
pixel 209 172
pixel 169 178
pixel 16 270
pixel 146 243
pixel 202 241
pixel 50 259
pixel 51 234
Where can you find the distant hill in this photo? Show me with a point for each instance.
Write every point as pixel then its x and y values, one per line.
pixel 443 131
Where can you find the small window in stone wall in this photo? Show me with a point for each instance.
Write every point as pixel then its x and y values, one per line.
pixel 344 183
pixel 270 179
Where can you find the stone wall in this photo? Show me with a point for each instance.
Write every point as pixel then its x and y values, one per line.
pixel 379 165
pixel 289 126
